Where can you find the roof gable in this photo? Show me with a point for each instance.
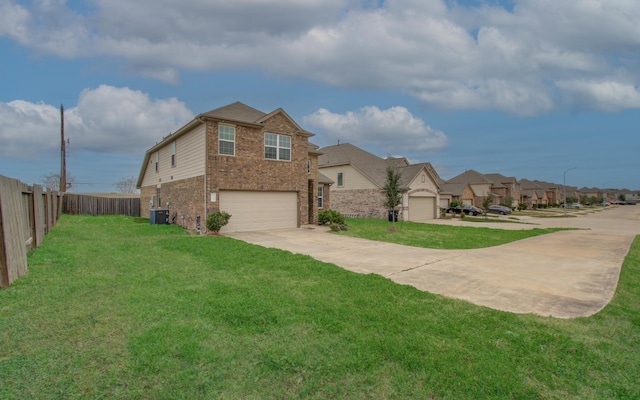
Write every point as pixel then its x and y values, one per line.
pixel 237 111
pixel 471 177
pixel 371 166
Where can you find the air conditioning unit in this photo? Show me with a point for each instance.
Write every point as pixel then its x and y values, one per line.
pixel 159 216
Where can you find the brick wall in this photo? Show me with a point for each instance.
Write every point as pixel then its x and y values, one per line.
pixel 249 170
pixel 364 203
pixel 185 198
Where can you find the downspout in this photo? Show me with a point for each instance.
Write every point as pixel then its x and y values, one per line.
pixel 206 169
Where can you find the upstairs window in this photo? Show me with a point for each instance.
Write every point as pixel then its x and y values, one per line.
pixel 157 160
pixel 277 147
pixel 227 140
pixel 173 154
pixel 340 179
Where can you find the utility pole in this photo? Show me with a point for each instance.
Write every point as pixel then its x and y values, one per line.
pixel 63 155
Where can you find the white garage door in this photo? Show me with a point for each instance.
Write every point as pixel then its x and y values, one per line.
pixel 421 208
pixel 254 211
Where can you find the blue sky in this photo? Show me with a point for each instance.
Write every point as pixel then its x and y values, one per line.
pixel 525 88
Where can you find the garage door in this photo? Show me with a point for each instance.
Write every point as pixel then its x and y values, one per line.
pixel 421 208
pixel 254 211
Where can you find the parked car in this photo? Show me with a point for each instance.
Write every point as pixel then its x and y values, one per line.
pixel 454 210
pixel 576 205
pixel 502 210
pixel 472 210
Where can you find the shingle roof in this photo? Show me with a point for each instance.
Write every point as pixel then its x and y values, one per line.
pixel 455 189
pixel 372 166
pixel 368 164
pixel 236 112
pixel 470 177
pixel 322 178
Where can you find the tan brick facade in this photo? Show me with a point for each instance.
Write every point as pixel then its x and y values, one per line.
pixel 363 203
pixel 249 170
pixel 183 199
pixel 192 187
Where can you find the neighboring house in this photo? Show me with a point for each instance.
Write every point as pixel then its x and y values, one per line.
pixel 259 167
pixel 510 187
pixel 360 177
pixel 460 193
pixel 532 194
pixel 554 191
pixel 475 188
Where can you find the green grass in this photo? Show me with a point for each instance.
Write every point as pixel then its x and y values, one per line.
pixel 117 309
pixel 437 236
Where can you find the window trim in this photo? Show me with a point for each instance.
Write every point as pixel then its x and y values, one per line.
pixel 340 179
pixel 320 196
pixel 278 147
pixel 173 154
pixel 157 161
pixel 220 140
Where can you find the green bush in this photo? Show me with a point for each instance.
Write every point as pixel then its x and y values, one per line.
pixel 216 220
pixel 522 206
pixel 330 217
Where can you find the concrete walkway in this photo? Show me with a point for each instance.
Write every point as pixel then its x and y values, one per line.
pixel 566 274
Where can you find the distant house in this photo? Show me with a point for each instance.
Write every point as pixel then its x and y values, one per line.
pixel 359 178
pixel 259 167
pixel 509 187
pixel 472 188
pixel 532 194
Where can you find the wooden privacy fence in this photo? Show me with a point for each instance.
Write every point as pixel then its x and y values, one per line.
pixel 26 215
pixel 100 205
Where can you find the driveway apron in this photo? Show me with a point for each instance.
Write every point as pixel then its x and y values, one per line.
pixel 565 274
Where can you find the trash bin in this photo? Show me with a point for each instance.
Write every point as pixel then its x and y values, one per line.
pixel 393 215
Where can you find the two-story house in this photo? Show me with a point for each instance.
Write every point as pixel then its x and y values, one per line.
pixel 259 167
pixel 360 177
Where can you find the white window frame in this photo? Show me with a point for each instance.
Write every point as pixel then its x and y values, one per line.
pixel 157 161
pixel 340 179
pixel 226 140
pixel 173 154
pixel 278 146
pixel 320 196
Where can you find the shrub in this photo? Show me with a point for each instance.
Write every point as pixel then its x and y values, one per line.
pixel 216 220
pixel 331 217
pixel 522 206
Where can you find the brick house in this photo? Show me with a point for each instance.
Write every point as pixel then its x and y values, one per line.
pixel 509 187
pixel 472 187
pixel 532 194
pixel 360 176
pixel 259 167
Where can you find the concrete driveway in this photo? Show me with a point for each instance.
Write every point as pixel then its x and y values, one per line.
pixel 566 274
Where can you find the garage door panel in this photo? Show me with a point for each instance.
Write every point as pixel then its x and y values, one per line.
pixel 421 208
pixel 252 211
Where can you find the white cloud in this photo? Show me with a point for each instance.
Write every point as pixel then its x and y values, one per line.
pixel 106 120
pixel 449 56
pixel 395 129
pixel 608 95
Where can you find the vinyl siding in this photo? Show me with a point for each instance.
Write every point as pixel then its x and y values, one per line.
pixel 190 159
pixel 353 179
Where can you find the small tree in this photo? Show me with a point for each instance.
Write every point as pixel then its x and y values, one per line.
pixel 52 181
pixel 216 220
pixel 507 201
pixel 486 203
pixel 393 195
pixel 127 185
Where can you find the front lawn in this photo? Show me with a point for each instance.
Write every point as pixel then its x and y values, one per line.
pixel 112 308
pixel 436 236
